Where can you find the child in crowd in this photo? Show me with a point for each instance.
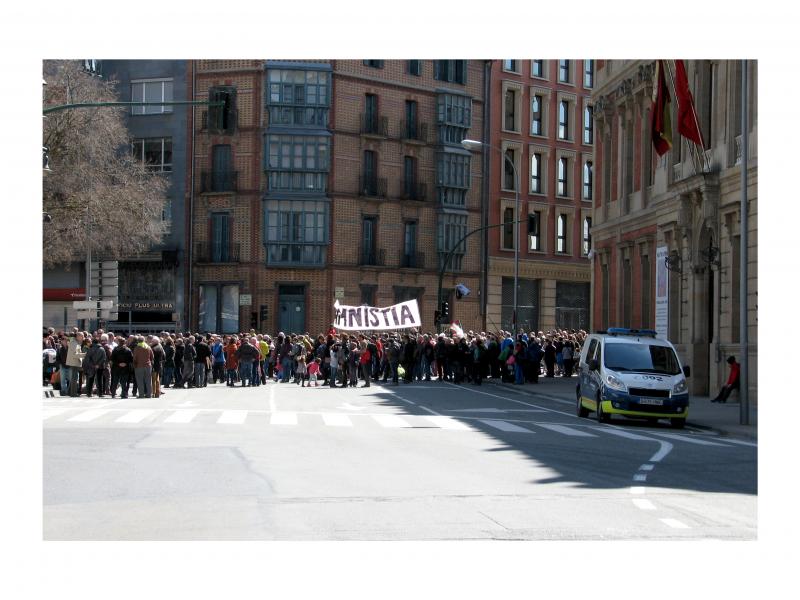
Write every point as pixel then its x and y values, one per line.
pixel 313 372
pixel 301 372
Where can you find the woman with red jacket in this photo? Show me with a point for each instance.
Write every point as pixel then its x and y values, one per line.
pixel 231 362
pixel 731 384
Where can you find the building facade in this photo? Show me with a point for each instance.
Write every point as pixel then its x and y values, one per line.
pixel 151 285
pixel 542 135
pixel 331 180
pixel 684 205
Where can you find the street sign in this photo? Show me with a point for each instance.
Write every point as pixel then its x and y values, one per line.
pixel 105 264
pixel 338 292
pixel 87 314
pixel 245 299
pixel 104 292
pixel 94 305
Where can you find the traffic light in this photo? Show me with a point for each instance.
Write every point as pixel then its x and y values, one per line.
pixel 445 317
pixel 263 314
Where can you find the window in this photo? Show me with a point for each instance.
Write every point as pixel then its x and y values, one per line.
pixel 561 234
pixel 588 73
pixel 453 170
pixel 537 127
pixel 296 232
pixel 588 125
pixel 564 71
pixel 298 163
pixel 375 64
pixel 411 120
pixel 627 292
pixel 536 173
pixel 510 114
pixel 527 303
pixel 645 291
pixel 587 235
pixel 151 90
pixel 298 97
pixel 509 175
pixel 223 178
pixel 563 120
pixel 534 226
pixel 220 250
pixel 537 68
pixel 222 119
pixel 371 124
pixel 452 227
pixel 508 229
pixel 454 71
pixel 587 180
pixel 370 174
pixel 409 177
pixel 368 293
pixel 453 117
pixel 415 67
pixel 368 232
pixel 562 188
pixel 510 65
pixel 154 153
pixel 410 244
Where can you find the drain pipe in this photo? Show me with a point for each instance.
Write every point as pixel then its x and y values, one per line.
pixel 188 254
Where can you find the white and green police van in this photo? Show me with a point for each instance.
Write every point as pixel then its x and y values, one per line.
pixel 633 373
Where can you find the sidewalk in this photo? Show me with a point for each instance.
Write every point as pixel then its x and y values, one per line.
pixel 703 414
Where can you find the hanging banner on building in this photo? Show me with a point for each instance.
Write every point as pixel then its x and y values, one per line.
pixel 662 292
pixel 398 316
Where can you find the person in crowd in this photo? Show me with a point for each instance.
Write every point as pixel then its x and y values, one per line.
pixel 94 368
pixel 732 383
pixel 143 368
pixel 479 356
pixel 169 362
pixel 121 362
pixel 158 366
pixel 550 357
pixel 231 362
pixel 189 355
pixel 202 354
pixel 335 347
pixel 301 372
pixel 218 360
pixel 246 355
pixel 63 369
pixel 365 360
pixel 314 369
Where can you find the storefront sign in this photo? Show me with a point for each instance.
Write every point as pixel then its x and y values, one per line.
pixel 161 306
pixel 69 294
pixel 397 316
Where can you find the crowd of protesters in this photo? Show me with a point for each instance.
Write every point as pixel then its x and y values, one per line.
pixel 106 364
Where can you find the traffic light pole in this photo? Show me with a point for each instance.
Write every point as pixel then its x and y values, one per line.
pixel 449 255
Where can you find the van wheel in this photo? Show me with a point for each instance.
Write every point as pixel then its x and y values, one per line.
pixel 601 416
pixel 582 412
pixel 677 423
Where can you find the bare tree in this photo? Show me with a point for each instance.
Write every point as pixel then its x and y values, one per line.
pixel 95 178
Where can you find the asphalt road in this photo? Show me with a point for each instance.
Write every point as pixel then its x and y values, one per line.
pixel 412 462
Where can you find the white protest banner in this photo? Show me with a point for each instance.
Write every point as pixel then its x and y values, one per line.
pixel 662 292
pixel 397 316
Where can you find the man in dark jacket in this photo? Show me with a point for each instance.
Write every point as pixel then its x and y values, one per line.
pixel 409 352
pixel 478 361
pixel 94 366
pixel 202 353
pixel 246 355
pixel 121 364
pixel 158 366
pixel 550 358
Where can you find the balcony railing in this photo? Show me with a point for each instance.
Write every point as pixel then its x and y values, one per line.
pixel 372 186
pixel 374 125
pixel 412 261
pixel 412 130
pixel 373 258
pixel 218 181
pixel 411 190
pixel 210 252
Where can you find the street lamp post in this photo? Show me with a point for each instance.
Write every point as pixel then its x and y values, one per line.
pixel 474 145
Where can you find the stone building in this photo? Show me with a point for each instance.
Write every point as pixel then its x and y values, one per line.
pixel 684 204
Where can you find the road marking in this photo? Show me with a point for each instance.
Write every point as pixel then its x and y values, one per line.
pixel 182 416
pixel 136 416
pixel 449 423
pixel 89 415
pixel 644 504
pixel 739 442
pixel 336 420
pixel 505 426
pixel 674 523
pixel 646 468
pixel 283 418
pixel 638 489
pixel 52 412
pixel 390 421
pixel 472 389
pixel 565 430
pixel 639 477
pixel 623 433
pixel 682 438
pixel 232 417
pixel 665 449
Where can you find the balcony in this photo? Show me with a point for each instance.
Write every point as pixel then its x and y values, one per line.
pixel 372 124
pixel 415 260
pixel 414 132
pixel 373 258
pixel 209 252
pixel 218 181
pixel 411 190
pixel 374 187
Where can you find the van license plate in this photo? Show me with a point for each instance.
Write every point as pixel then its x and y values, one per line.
pixel 653 401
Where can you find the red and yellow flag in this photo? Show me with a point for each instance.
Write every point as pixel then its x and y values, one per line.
pixel 660 122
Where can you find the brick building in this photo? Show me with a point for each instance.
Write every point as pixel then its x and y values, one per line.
pixel 331 179
pixel 542 122
pixel 685 203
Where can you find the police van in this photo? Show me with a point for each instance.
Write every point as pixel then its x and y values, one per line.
pixel 633 373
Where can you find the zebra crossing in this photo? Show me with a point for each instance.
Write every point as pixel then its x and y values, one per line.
pixel 176 417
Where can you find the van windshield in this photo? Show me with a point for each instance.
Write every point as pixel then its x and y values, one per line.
pixel 641 358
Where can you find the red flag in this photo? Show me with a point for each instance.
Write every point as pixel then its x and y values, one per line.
pixel 660 124
pixel 687 116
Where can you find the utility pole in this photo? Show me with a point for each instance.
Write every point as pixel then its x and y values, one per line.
pixel 744 396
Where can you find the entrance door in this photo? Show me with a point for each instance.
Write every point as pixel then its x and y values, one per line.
pixel 292 309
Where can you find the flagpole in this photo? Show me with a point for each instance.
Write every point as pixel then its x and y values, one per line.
pixel 696 158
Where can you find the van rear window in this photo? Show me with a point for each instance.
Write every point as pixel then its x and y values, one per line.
pixel 642 359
